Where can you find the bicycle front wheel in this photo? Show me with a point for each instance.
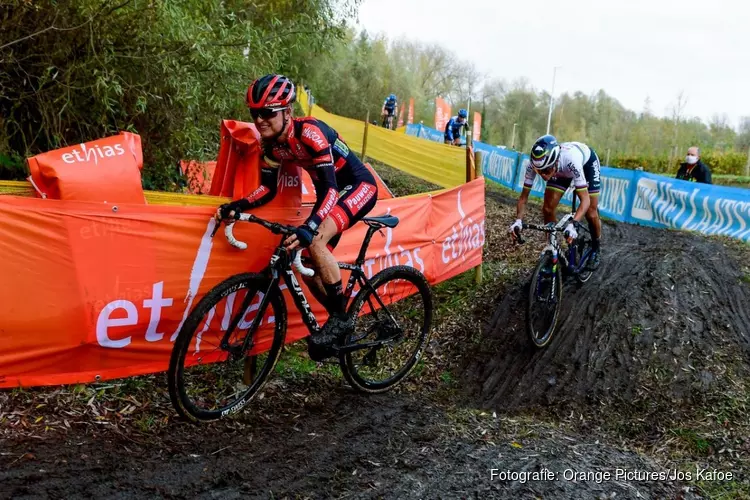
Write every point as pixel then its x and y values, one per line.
pixel 208 381
pixel 545 299
pixel 583 250
pixel 395 314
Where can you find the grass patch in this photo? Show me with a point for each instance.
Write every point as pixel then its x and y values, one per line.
pixel 447 378
pixel 724 490
pixel 400 183
pixel 731 180
pixel 695 442
pixel 295 363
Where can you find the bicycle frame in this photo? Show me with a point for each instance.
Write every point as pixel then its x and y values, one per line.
pixel 569 261
pixel 280 268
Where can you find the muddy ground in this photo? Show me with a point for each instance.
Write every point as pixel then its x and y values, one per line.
pixel 648 373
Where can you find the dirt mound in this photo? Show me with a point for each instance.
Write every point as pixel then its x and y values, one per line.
pixel 666 319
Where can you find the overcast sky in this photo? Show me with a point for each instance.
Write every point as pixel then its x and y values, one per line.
pixel 632 49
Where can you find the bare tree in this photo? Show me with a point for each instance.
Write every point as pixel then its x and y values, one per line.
pixel 678 111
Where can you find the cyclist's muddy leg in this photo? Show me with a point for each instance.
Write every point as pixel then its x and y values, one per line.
pixel 551 200
pixel 326 265
pixel 592 216
pixel 315 285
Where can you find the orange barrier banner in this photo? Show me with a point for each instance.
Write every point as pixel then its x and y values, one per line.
pixel 93 293
pixel 237 171
pixel 410 118
pixel 442 113
pixel 104 170
pixel 477 127
pixel 199 175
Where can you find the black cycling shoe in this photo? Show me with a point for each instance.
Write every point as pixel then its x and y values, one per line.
pixel 321 345
pixel 337 327
pixel 594 260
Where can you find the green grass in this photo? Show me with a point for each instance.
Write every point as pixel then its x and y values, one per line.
pixel 695 442
pixel 732 180
pixel 294 363
pixel 447 378
pixel 400 183
pixel 724 490
pixel 452 293
pixel 742 181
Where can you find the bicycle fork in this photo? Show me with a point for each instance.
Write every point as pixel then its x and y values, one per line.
pixel 553 255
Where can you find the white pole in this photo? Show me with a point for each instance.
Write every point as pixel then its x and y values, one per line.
pixel 513 137
pixel 549 116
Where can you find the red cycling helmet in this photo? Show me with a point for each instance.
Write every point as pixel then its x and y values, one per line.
pixel 271 92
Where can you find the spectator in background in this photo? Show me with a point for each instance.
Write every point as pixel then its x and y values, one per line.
pixel 694 169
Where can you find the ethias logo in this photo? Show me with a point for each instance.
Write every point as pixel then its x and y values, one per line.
pixel 96 152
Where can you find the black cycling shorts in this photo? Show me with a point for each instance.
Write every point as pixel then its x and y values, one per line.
pixel 355 201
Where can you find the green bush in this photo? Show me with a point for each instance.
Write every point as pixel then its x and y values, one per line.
pixel 169 71
pixel 731 163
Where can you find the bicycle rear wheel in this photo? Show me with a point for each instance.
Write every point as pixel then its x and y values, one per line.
pixel 545 299
pixel 208 382
pixel 403 325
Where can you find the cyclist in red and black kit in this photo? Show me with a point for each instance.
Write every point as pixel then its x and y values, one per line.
pixel 346 190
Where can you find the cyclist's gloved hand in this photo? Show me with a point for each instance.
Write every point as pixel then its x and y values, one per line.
pixel 305 235
pixel 570 231
pixel 236 206
pixel 516 225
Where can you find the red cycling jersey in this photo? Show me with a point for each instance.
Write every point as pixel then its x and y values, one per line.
pixel 314 146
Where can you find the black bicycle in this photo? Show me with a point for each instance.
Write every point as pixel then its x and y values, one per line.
pixel 555 264
pixel 388 121
pixel 231 340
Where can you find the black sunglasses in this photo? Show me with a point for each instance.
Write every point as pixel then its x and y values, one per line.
pixel 264 113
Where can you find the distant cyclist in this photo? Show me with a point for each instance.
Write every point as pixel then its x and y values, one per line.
pixel 454 127
pixel 390 107
pixel 559 165
pixel 345 189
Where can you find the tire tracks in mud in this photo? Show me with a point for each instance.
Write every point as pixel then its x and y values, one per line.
pixel 665 316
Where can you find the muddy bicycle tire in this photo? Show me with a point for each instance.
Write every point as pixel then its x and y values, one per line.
pixel 543 340
pixel 423 294
pixel 583 244
pixel 176 375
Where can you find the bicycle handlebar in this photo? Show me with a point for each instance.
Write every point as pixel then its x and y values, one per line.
pixel 274 227
pixel 545 229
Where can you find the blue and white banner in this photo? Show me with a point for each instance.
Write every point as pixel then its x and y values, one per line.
pixel 662 202
pixel 616 195
pixel 633 196
pixel 498 164
pixel 423 132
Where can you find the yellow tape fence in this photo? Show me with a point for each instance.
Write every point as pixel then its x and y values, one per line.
pixel 437 163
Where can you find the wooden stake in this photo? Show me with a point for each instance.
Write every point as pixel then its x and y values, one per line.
pixel 364 138
pixel 478 173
